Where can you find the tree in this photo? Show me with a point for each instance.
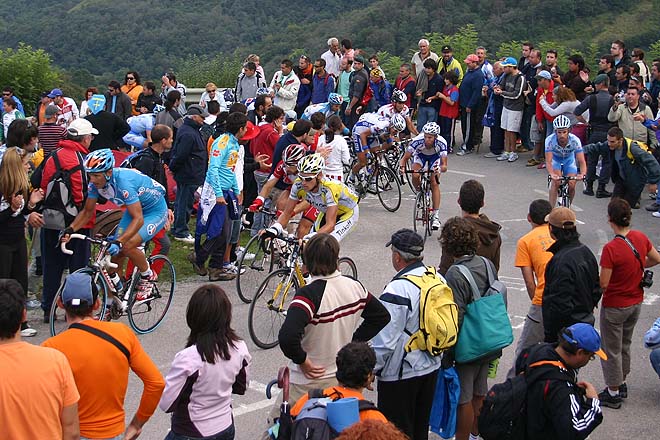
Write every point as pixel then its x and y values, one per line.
pixel 197 71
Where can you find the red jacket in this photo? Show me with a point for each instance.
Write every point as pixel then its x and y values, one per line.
pixel 265 141
pixel 540 114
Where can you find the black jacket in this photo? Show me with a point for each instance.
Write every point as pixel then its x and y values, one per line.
pixel 111 129
pixel 150 163
pixel 572 287
pixel 189 155
pixel 556 407
pixel 148 101
pixel 123 106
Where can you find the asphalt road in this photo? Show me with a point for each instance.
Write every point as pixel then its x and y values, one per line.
pixel 510 187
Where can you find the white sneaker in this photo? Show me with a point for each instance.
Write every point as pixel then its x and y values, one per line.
pixel 504 156
pixel 187 239
pixel 28 332
pixel 656 214
pixel 435 223
pixel 513 157
pixel 491 155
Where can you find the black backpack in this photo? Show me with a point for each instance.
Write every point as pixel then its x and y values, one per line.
pixel 59 208
pixel 504 412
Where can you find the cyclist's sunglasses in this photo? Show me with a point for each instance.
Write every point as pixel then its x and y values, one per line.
pixel 307 178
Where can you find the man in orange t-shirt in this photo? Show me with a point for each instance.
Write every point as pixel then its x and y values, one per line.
pixel 38 396
pixel 355 365
pixel 101 366
pixel 531 257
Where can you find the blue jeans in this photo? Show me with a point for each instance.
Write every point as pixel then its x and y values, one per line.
pixel 426 114
pixel 227 434
pixel 655 360
pixel 185 196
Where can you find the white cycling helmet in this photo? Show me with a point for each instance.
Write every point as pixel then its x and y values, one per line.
pixel 399 96
pixel 561 122
pixel 312 164
pixel 431 128
pixel 398 122
pixel 335 99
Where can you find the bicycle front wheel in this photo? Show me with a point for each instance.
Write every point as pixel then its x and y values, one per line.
pixel 388 189
pixel 57 315
pixel 145 316
pixel 269 307
pixel 347 267
pixel 254 265
pixel 420 215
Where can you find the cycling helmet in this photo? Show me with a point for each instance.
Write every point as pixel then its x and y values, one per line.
pixel 293 153
pixel 398 122
pixel 335 98
pixel 561 122
pixel 263 91
pixel 228 94
pixel 431 128
pixel 399 96
pixel 99 161
pixel 312 164
pixel 158 108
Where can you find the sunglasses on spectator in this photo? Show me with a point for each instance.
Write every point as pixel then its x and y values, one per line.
pixel 130 78
pixel 6 94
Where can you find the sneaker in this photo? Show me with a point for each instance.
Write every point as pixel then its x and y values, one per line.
pixel 463 151
pixel 533 162
pixel 223 274
pixel 623 391
pixel 656 215
pixel 492 368
pixel 33 304
pixel 653 207
pixel 435 222
pixel 199 270
pixel 28 332
pixel 491 155
pixel 248 256
pixel 653 195
pixel 145 287
pixel 608 400
pixel 513 157
pixel 504 156
pixel 189 239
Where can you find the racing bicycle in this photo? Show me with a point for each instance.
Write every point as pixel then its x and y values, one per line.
pixel 423 211
pixel 376 178
pixel 563 198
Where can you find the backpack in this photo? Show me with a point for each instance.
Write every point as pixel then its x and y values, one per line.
pixel 132 159
pixel 312 421
pixel 438 314
pixel 504 412
pixel 641 145
pixel 59 209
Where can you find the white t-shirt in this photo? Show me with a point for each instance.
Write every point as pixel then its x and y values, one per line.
pixel 336 154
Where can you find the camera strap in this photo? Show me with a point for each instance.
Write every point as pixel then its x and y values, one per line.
pixel 632 248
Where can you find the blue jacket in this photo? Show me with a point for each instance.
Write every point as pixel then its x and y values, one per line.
pixel 382 92
pixel 189 154
pixel 470 89
pixel 322 87
pixel 222 163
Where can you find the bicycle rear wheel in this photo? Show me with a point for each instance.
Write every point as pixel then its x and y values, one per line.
pixel 388 188
pixel 145 316
pixel 421 215
pixel 269 306
pixel 347 267
pixel 254 265
pixel 57 315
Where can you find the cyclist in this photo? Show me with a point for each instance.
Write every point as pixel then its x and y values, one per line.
pixel 428 150
pixel 334 206
pixel 285 173
pixel 563 154
pixel 399 106
pixel 146 212
pixel 328 109
pixel 141 125
pixel 369 132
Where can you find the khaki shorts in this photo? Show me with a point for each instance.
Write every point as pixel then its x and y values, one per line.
pixel 474 380
pixel 511 120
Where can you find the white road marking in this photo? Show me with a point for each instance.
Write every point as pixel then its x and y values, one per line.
pixel 517 318
pixel 513 220
pixel 240 409
pixel 509 278
pixel 465 173
pixel 650 299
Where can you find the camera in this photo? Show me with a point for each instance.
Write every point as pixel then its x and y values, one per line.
pixel 647 279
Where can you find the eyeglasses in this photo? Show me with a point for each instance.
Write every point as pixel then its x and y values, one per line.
pixel 317 66
pixel 307 178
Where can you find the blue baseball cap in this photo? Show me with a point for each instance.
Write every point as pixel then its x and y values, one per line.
pixel 510 62
pixel 54 93
pixel 586 337
pixel 78 290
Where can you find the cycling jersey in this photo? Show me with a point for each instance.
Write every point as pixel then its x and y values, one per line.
pixel 281 175
pixel 374 126
pixel 139 126
pixel 323 107
pixel 388 110
pixel 428 158
pixel 563 158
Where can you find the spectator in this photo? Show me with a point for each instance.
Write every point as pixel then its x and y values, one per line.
pixel 118 102
pixel 9 114
pixel 470 92
pixel 285 86
pixel 429 104
pixel 8 92
pixel 148 98
pixel 49 132
pixel 497 133
pixel 449 63
pixel 359 81
pixel 373 64
pixel 101 407
pixel 68 107
pixel 622 78
pixel 305 73
pixel 40 108
pixel 563 102
pixel 32 374
pixel 256 60
pixel 541 124
pixel 343 85
pixel 248 82
pixel 380 87
pixel 489 79
pixel 511 89
pixel 203 376
pixel 471 200
pixel 630 118
pixel 133 88
pixel 211 94
pixel 618 51
pixel 405 387
pixel 171 116
pixel 334 149
pixel 347 50
pixel 606 66
pixel 449 109
pixel 323 83
pixel 168 84
pixel 418 58
pixel 261 106
pixel 332 57
pixel 622 262
pixel 571 277
pixel 405 82
pixel 84 106
pixel 576 78
pixel 111 128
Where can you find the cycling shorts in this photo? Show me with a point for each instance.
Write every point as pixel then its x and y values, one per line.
pixel 135 140
pixel 359 147
pixel 345 224
pixel 566 165
pixel 427 160
pixel 154 220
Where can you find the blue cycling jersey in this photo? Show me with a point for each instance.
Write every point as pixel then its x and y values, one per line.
pixel 128 186
pixel 573 147
pixel 140 124
pixel 323 107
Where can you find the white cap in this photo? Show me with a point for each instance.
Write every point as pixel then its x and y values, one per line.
pixel 81 127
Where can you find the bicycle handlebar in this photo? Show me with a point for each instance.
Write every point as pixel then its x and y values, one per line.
pixel 566 178
pixel 67 251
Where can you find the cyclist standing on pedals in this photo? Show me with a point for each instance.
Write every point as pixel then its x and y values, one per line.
pixel 563 154
pixel 428 150
pixel 328 109
pixel 333 206
pixel 398 106
pixel 368 133
pixel 146 213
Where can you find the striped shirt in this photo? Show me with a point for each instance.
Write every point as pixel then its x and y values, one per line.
pixel 49 135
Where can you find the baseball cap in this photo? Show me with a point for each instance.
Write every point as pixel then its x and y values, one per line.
pixel 600 78
pixel 51 110
pixel 446 49
pixel 543 74
pixel 81 127
pixel 197 109
pixel 561 217
pixel 54 93
pixel 251 133
pixel 472 58
pixel 78 289
pixel 359 59
pixel 376 72
pixel 586 337
pixel 407 240
pixel 510 62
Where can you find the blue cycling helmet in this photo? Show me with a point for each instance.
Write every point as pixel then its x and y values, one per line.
pixel 99 161
pixel 335 99
pixel 228 94
pixel 158 108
